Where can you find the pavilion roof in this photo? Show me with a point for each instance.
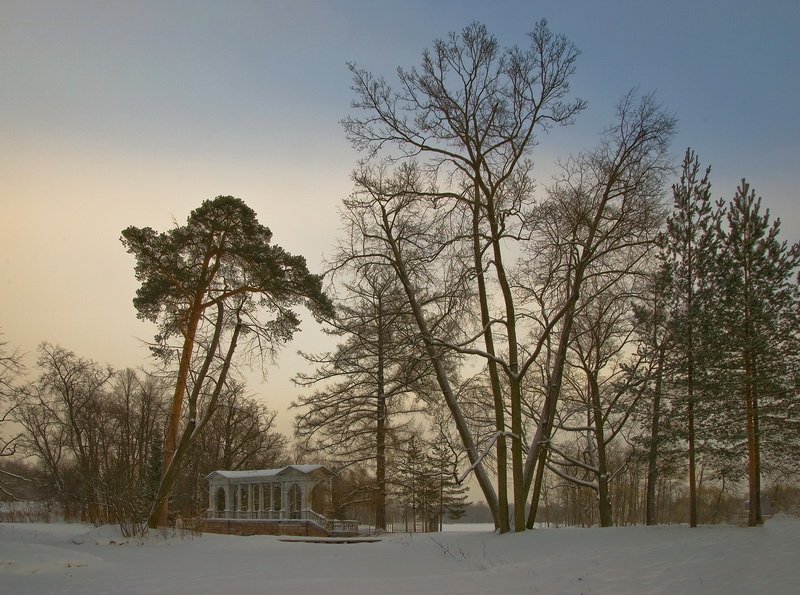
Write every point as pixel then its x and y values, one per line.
pixel 267 473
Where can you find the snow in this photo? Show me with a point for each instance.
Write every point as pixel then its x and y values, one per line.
pixel 265 472
pixel 75 558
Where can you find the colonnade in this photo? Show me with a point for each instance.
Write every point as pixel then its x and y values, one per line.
pixel 274 500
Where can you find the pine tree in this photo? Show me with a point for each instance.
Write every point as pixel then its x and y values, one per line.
pixel 691 246
pixel 452 496
pixel 761 302
pixel 428 489
pixel 208 285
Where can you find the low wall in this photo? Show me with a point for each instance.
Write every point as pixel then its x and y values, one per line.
pixel 262 527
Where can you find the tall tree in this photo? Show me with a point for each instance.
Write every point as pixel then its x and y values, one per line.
pixel 652 333
pixel 389 224
pixel 473 111
pixel 761 305
pixel 597 227
pixel 210 282
pixel 691 249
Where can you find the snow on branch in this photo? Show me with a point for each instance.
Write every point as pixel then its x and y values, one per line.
pixel 478 461
pixel 589 484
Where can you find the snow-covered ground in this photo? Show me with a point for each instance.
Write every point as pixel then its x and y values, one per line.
pixel 73 558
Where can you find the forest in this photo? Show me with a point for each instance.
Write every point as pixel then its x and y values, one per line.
pixel 616 345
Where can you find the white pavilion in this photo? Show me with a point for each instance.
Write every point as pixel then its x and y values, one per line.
pixel 286 501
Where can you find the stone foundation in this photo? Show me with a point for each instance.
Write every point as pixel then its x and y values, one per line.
pixel 262 527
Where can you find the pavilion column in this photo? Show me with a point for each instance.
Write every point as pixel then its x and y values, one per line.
pixel 230 499
pixel 261 497
pixel 250 503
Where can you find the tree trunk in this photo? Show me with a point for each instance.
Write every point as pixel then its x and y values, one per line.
pixel 160 512
pixel 690 426
pixel 380 466
pixel 754 517
pixel 652 454
pixel 514 380
pixel 497 393
pixel 692 466
pixel 459 420
pixel 380 436
pixel 603 493
pixel 494 377
pixel 537 452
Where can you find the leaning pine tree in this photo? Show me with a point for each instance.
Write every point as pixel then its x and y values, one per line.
pixel 210 283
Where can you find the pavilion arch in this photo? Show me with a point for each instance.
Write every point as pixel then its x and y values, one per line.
pixel 296 498
pixel 218 499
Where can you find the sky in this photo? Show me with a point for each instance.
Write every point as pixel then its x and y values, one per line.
pixel 116 113
pixel 63 558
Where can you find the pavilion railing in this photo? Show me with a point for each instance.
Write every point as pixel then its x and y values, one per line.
pixel 332 526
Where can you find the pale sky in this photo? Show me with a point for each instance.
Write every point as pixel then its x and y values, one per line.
pixel 117 113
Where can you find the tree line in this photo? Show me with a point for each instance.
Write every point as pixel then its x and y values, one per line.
pixel 559 333
pixel 92 440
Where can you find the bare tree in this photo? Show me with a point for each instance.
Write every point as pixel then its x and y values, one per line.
pixel 136 404
pixel 600 221
pixel 470 115
pixel 474 111
pixel 652 330
pixel 67 426
pixel 389 226
pixel 241 434
pixel 601 393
